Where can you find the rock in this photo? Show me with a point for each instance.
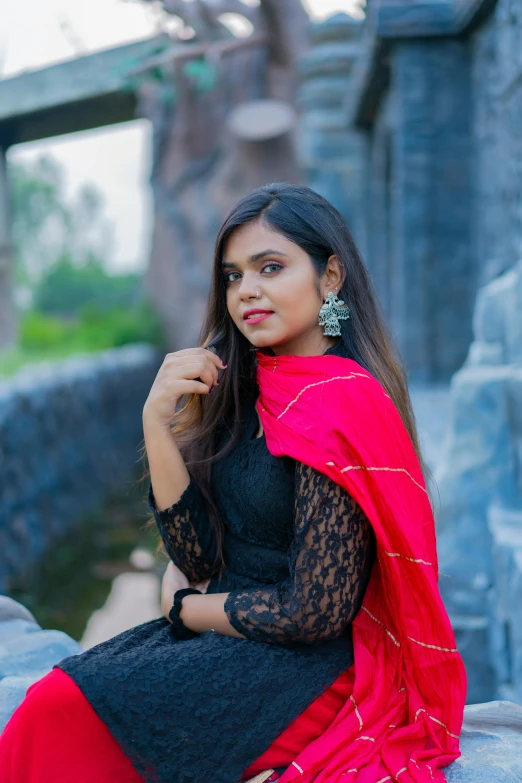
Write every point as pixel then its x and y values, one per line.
pixel 478 466
pixel 479 520
pixel 27 653
pixel 506 595
pixel 491 745
pixel 491 307
pixel 12 610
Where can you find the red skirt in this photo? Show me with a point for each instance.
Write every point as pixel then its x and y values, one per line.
pixel 55 736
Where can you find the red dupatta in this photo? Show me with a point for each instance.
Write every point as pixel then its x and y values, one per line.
pixel 403 718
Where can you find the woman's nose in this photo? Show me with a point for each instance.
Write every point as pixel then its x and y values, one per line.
pixel 248 288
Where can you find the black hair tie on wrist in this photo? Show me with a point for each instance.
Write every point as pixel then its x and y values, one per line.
pixel 181 630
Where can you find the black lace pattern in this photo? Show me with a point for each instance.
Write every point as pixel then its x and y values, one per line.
pixel 186 533
pixel 329 569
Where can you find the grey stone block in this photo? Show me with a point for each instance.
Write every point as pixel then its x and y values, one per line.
pixel 472 638
pixel 34 651
pixel 490 354
pixel 10 629
pixel 12 610
pixel 330 151
pixel 12 693
pixel 478 466
pixel 492 306
pixel 333 58
pixel 491 745
pixel 27 653
pixel 516 625
pixel 514 317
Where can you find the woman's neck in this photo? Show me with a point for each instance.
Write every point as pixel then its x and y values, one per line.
pixel 269 351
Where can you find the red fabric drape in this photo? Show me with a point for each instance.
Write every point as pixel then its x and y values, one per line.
pixel 403 718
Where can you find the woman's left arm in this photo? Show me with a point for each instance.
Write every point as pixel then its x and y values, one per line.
pixel 330 561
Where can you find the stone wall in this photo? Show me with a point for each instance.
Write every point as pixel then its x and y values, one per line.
pixel 418 194
pixel 497 141
pixel 429 260
pixel 437 90
pixel 479 520
pixel 69 433
pixel 330 152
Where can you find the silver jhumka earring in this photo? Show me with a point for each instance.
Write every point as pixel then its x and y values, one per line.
pixel 332 311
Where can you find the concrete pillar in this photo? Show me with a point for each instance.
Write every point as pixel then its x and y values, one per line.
pixel 434 278
pixel 8 325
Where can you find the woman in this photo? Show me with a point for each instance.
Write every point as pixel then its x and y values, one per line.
pixel 304 635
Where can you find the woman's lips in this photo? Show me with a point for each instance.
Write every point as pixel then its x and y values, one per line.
pixel 257 318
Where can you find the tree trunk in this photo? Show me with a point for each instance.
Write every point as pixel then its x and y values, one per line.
pixel 200 168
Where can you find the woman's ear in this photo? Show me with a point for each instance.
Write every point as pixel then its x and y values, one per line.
pixel 333 273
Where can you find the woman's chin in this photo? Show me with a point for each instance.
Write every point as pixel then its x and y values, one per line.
pixel 259 341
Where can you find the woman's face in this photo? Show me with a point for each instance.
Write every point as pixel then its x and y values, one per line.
pixel 258 260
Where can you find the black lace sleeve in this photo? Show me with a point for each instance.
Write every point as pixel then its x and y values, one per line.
pixel 187 533
pixel 330 561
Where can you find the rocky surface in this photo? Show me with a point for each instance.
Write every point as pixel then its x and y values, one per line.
pixel 27 653
pixel 69 434
pixel 479 518
pixel 491 745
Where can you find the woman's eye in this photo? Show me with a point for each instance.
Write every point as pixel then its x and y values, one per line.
pixel 228 278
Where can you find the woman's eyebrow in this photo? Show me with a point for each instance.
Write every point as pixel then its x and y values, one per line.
pixel 254 258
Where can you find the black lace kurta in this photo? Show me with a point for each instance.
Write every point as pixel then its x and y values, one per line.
pixel 299 552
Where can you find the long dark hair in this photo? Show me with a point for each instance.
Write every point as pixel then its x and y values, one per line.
pixel 310 221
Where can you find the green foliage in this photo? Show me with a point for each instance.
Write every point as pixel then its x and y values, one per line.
pixel 79 310
pixel 95 330
pixel 85 308
pixel 66 288
pixel 135 73
pixel 202 74
pixel 40 332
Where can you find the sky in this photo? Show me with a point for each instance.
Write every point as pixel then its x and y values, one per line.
pixel 35 33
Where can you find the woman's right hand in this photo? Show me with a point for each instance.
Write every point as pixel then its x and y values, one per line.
pixel 189 371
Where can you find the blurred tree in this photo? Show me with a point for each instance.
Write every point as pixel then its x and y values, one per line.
pixel 66 288
pixel 189 97
pixel 47 226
